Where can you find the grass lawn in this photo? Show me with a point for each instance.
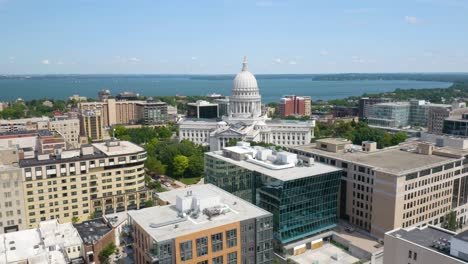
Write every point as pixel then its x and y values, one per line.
pixel 189 181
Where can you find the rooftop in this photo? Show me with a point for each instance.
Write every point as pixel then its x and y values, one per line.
pixel 179 218
pixel 114 148
pixel 462 236
pixel 396 160
pixel 281 165
pixel 117 219
pixel 92 230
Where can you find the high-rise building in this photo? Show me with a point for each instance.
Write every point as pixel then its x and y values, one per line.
pixel 394 114
pixel 100 178
pixel 245 120
pixel 413 184
pixel 202 109
pixel 223 106
pixel 12 211
pixel 294 105
pixel 104 95
pixel 201 224
pixel 366 102
pixel 307 105
pixel 456 125
pixel 428 245
pixel 152 113
pixel 92 124
pixel 302 196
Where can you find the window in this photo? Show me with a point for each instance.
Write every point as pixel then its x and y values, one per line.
pixel 202 246
pixel 217 242
pixel 203 262
pixel 415 256
pixel 410 254
pixel 232 258
pixel 186 250
pixel 231 237
pixel 218 260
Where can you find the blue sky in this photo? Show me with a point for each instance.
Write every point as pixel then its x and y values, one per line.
pixel 202 37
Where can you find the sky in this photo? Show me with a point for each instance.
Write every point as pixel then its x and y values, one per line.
pixel 211 37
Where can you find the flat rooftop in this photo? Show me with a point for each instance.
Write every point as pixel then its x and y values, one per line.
pixel 428 237
pixel 124 148
pixel 286 174
pixel 92 230
pixel 394 160
pixel 462 236
pixel 163 222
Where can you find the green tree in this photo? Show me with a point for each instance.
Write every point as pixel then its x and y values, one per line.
pixel 181 164
pixel 450 221
pixel 75 219
pixel 195 166
pixel 155 166
pixel 107 251
pixel 398 138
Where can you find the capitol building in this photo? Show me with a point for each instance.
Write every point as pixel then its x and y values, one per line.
pixel 245 121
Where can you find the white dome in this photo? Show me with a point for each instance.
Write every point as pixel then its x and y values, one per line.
pixel 245 81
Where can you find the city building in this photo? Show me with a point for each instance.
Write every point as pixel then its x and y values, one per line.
pixel 413 184
pixel 402 114
pixel 302 196
pixel 202 109
pixel 96 234
pixel 456 125
pixel 151 112
pixel 365 104
pixel 345 111
pixel 100 178
pixel 12 211
pixel 428 245
pixel 294 105
pixel 245 121
pixel 201 224
pixel 78 98
pixel 69 128
pixel 127 96
pixel 392 114
pixel 49 243
pixel 104 95
pixel 223 106
pixel 92 126
pixel 127 111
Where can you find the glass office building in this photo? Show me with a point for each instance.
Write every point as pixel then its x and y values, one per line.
pixel 303 198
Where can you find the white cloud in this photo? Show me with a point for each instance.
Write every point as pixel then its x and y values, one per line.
pixel 264 3
pixel 412 20
pixel 134 59
pixel 59 63
pixel 324 53
pixel 194 58
pixel 45 62
pixel 278 60
pixel 292 62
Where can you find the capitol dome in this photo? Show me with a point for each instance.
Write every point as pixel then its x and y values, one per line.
pixel 245 99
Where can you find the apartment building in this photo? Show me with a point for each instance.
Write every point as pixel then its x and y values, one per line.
pixel 303 197
pixel 413 184
pixel 123 112
pixel 425 245
pixel 99 178
pixel 294 105
pixel 12 212
pixel 92 125
pixel 202 224
pixel 68 127
pixel 151 112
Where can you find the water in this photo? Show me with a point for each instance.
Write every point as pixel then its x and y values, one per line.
pixel 271 89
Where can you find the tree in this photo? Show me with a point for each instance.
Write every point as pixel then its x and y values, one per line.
pixel 75 219
pixel 107 251
pixel 180 164
pixel 92 215
pixel 450 222
pixel 155 166
pixel 149 203
pixel 195 166
pixel 398 138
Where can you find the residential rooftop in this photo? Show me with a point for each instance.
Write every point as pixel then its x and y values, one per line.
pixel 398 160
pixel 281 165
pixel 117 147
pixel 92 230
pixel 179 218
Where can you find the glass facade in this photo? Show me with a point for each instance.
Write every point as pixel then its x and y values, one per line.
pixel 300 207
pixel 456 127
